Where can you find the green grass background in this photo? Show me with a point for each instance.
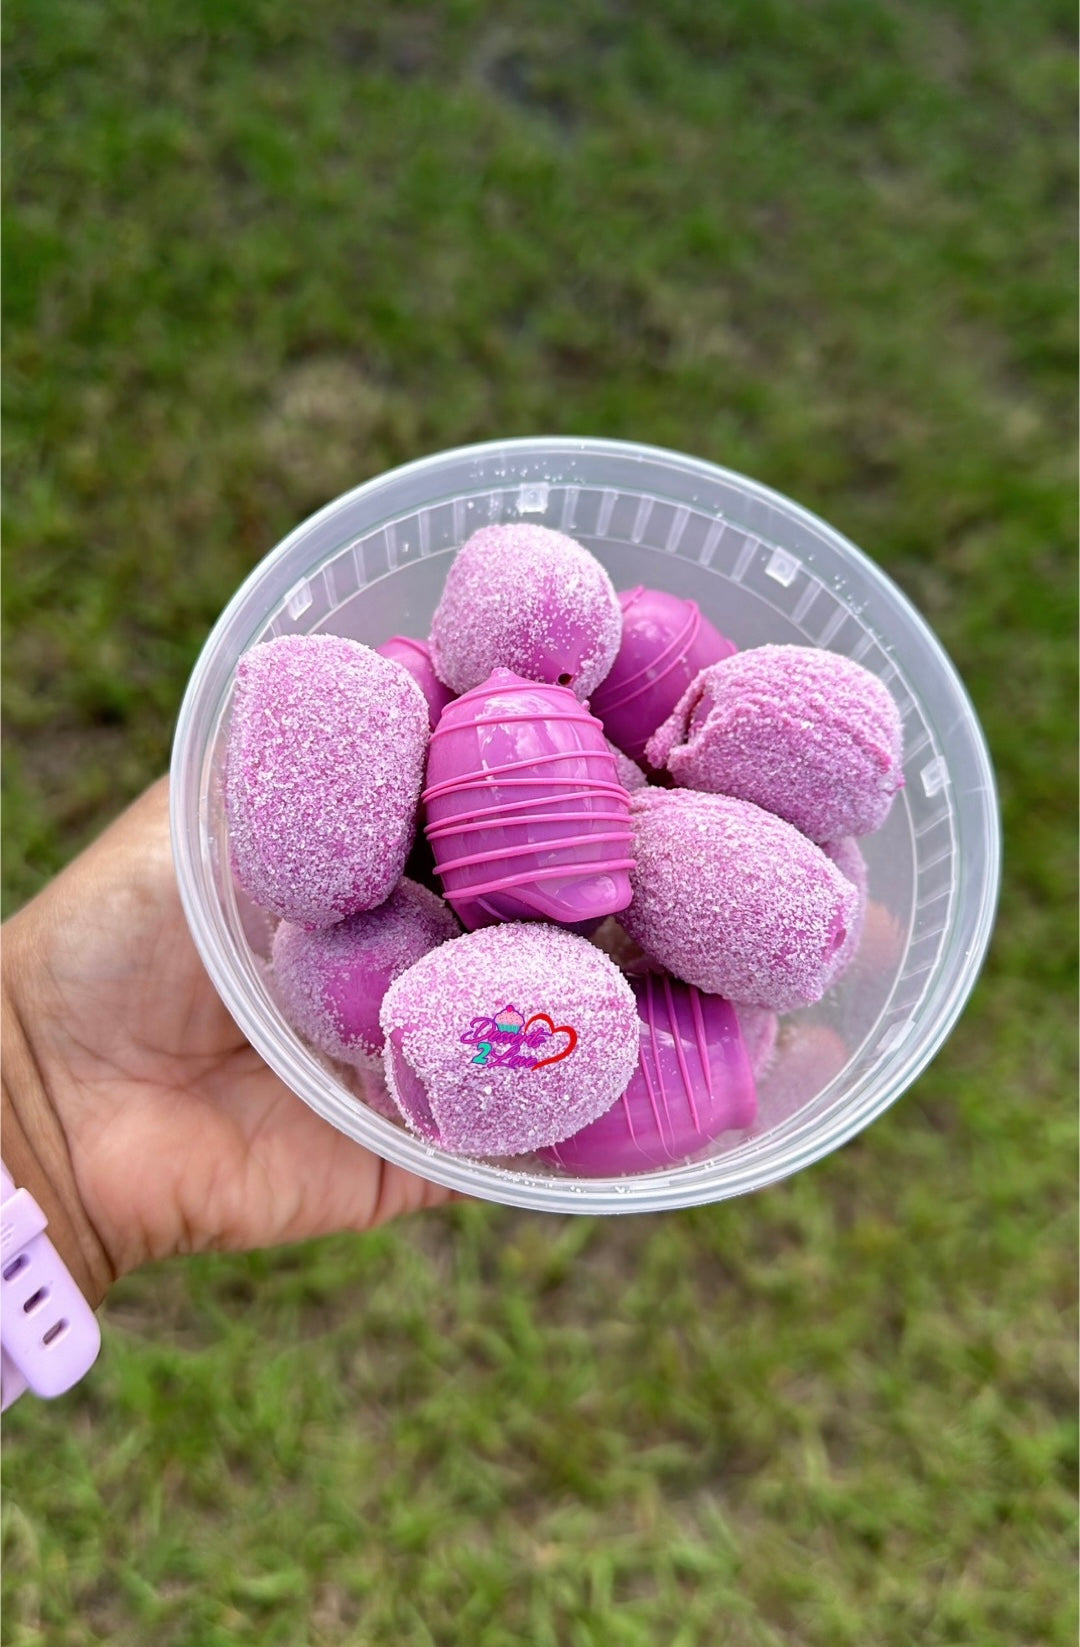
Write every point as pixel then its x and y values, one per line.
pixel 257 251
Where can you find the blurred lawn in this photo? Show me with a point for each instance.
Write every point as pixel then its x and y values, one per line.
pixel 256 252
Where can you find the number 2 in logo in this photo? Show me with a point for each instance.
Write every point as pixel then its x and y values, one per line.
pixel 483 1054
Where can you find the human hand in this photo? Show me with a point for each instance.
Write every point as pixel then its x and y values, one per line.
pixel 134 1109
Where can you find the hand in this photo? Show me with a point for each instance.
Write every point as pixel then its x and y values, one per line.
pixel 134 1109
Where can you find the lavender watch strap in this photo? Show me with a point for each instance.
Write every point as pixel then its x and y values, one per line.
pixel 48 1332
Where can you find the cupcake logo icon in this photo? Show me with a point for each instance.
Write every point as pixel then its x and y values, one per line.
pixel 509 1040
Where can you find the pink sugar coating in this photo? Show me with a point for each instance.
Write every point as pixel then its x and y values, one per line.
pixel 733 899
pixel 629 772
pixel 805 733
pixel 847 857
pixel 322 777
pixel 484 1110
pixel 529 599
pixel 330 983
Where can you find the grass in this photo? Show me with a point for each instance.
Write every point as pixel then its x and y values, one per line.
pixel 256 252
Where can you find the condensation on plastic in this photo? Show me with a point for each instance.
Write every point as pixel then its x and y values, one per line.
pixel 372 564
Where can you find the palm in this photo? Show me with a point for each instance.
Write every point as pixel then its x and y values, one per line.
pixel 182 1137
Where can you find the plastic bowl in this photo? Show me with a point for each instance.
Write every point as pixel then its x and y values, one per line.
pixel 372 564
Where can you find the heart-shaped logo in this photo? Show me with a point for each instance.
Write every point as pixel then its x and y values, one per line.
pixel 554 1029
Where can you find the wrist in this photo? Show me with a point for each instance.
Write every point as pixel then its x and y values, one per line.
pixel 36 1153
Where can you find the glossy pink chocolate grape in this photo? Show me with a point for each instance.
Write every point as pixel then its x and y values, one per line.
pixel 331 983
pixel 733 899
pixel 805 733
pixel 693 1081
pixel 524 811
pixel 415 656
pixel 508 1039
pixel 665 643
pixel 322 776
pixel 529 599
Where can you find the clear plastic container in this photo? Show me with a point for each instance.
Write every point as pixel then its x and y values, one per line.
pixel 372 564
